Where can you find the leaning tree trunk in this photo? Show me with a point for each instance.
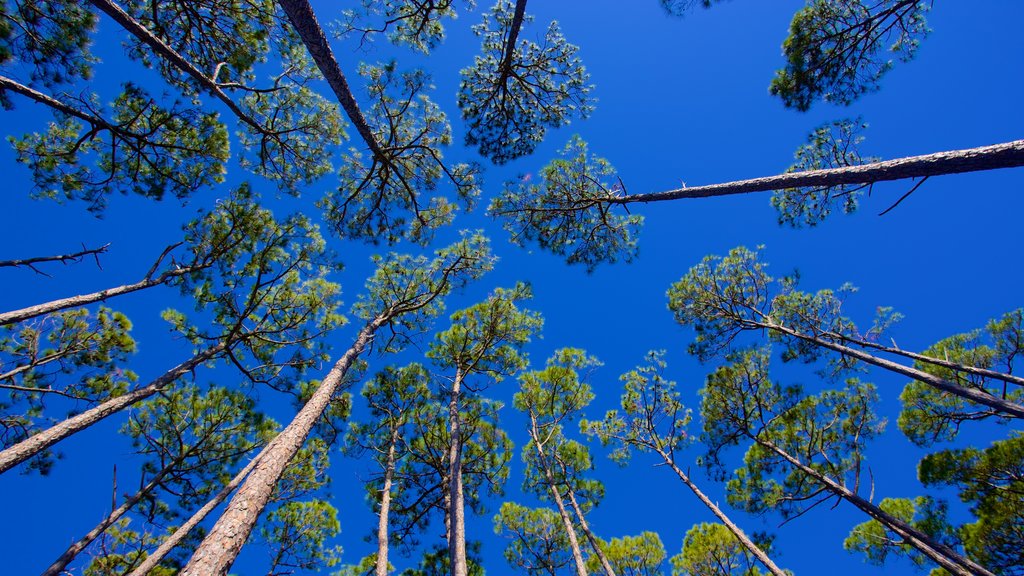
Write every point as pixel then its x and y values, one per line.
pixel 36 443
pixel 182 531
pixel 942 555
pixel 972 394
pixel 605 564
pixel 747 543
pixel 385 507
pixel 221 546
pixel 60 565
pixel 574 544
pixel 1005 155
pixel 459 566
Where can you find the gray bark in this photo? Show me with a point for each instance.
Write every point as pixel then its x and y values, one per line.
pixel 942 555
pixel 221 546
pixel 35 444
pixel 385 507
pixel 605 564
pixel 174 539
pixel 1005 155
pixel 747 543
pixel 457 532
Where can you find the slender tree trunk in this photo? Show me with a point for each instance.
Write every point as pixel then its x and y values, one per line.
pixel 577 554
pixel 385 508
pixel 972 394
pixel 174 539
pixel 605 564
pixel 304 20
pixel 36 443
pixel 747 543
pixel 81 300
pixel 942 555
pixel 457 535
pixel 1005 155
pixel 221 546
pixel 59 566
pixel 984 372
pixel 505 68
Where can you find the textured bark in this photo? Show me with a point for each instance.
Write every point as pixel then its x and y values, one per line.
pixel 1005 155
pixel 984 372
pixel 385 508
pixel 747 543
pixel 59 566
pixel 301 15
pixel 173 540
pixel 81 300
pixel 942 555
pixel 972 394
pixel 605 564
pixel 577 554
pixel 457 533
pixel 510 45
pixel 221 546
pixel 36 443
pixel 170 55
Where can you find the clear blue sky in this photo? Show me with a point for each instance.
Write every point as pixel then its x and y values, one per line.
pixel 678 100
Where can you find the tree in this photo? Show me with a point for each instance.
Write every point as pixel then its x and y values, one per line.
pixel 404 294
pixel 191 438
pixel 538 543
pixel 711 549
pixel 653 419
pixel 482 346
pixel 832 52
pixel 804 451
pixel 515 90
pixel 876 542
pixel 268 306
pixel 568 212
pixel 641 555
pixel 395 397
pixel 297 532
pixel 551 397
pixel 723 297
pixel 409 23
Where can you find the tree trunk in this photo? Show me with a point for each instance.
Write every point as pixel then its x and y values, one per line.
pixel 1005 155
pixel 972 394
pixel 303 19
pixel 939 553
pixel 983 372
pixel 457 534
pixel 221 546
pixel 81 300
pixel 577 554
pixel 385 508
pixel 747 543
pixel 605 564
pixel 36 443
pixel 174 539
pixel 505 68
pixel 59 566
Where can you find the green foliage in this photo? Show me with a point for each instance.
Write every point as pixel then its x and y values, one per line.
pixel 651 418
pixel 411 23
pixel 121 549
pixel 836 49
pixel 711 549
pixel 930 415
pixel 381 196
pixel 569 211
pixel 366 566
pixel 407 292
pixel 681 7
pixel 538 543
pixel 991 481
pixel 74 355
pixel 876 542
pixel 297 534
pixel 826 432
pixel 436 562
pixel 833 145
pixel 487 338
pixel 52 38
pixel 511 95
pixel 141 147
pixel 642 555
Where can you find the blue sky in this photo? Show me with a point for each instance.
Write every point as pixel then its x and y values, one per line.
pixel 678 100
